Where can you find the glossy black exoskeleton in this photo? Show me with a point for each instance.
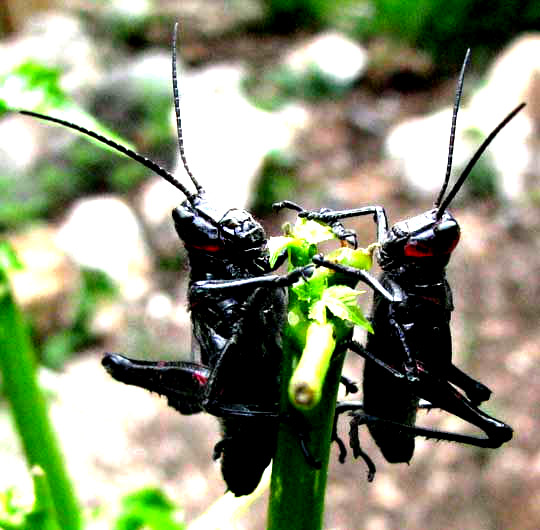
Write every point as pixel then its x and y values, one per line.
pixel 237 313
pixel 409 355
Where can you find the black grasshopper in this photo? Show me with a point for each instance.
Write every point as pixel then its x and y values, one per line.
pixel 237 313
pixel 409 356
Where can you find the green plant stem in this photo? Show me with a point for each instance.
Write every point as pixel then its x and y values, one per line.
pixel 43 515
pixel 17 364
pixel 297 490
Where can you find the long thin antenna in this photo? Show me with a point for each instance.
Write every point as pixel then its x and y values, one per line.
pixel 177 111
pixel 457 101
pixel 150 164
pixel 474 159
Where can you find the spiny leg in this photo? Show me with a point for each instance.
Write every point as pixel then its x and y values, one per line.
pixel 329 217
pixel 357 348
pixel 296 422
pixel 201 288
pixel 360 275
pixel 354 440
pixel 342 233
pixel 443 396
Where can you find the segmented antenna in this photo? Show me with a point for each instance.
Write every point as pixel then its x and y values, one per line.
pixel 457 101
pixel 150 164
pixel 474 159
pixel 177 111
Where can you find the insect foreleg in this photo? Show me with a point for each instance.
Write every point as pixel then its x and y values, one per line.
pixel 360 275
pixel 357 348
pixel 342 233
pixel 331 216
pixel 342 407
pixel 443 396
pixel 200 288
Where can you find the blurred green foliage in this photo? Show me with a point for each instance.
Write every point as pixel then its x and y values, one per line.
pixel 288 15
pixel 148 509
pixel 278 86
pixel 41 516
pixel 56 505
pixel 81 166
pixel 32 84
pixel 482 181
pixel 445 28
pixel 277 180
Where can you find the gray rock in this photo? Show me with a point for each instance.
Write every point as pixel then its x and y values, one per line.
pixel 513 77
pixel 132 83
pixel 103 233
pixel 419 149
pixel 45 287
pixel 419 146
pixel 156 200
pixel 216 17
pixel 338 58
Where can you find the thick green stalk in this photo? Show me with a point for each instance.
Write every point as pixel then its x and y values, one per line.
pixel 297 490
pixel 17 364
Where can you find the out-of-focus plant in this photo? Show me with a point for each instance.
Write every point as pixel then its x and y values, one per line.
pixel 41 516
pixel 37 87
pixel 55 506
pixel 287 15
pixel 29 410
pixel 443 28
pixel 277 180
pixel 150 509
pixel 279 86
pixel 34 86
pixel 482 181
pixel 83 167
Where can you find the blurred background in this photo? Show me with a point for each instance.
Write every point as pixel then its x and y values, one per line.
pixel 330 104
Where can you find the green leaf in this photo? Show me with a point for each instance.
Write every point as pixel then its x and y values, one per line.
pixel 340 300
pixel 9 261
pixel 355 315
pixel 313 288
pixel 317 312
pixel 31 85
pixel 148 508
pixel 312 232
pixel 360 258
pixel 276 245
pixel 337 299
pixel 37 87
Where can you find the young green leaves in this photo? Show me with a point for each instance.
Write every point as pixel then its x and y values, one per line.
pixel 322 309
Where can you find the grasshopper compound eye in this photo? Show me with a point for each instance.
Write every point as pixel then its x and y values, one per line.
pixel 436 240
